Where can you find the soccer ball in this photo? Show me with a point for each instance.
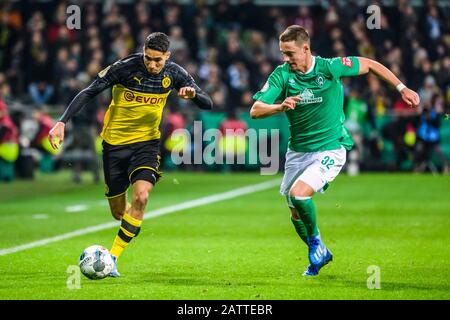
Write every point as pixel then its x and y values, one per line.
pixel 96 262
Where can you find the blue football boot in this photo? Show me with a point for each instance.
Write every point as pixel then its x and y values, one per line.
pixel 311 271
pixel 318 256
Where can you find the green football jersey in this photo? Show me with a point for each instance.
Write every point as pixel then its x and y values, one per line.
pixel 317 122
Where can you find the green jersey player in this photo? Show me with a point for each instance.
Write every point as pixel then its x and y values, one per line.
pixel 310 93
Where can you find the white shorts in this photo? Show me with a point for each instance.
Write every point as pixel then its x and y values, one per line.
pixel 316 169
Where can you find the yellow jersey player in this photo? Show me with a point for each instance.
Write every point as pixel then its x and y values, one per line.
pixel 140 85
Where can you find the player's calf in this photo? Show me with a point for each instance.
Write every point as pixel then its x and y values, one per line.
pixel 119 206
pixel 141 190
pixel 298 224
pixel 117 214
pixel 140 200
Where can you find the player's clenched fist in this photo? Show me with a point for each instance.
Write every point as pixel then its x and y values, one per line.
pixel 290 102
pixel 410 97
pixel 56 135
pixel 186 93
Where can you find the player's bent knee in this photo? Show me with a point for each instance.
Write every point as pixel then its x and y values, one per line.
pixel 292 193
pixel 301 190
pixel 296 193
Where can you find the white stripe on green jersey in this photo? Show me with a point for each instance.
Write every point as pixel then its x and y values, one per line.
pixel 317 122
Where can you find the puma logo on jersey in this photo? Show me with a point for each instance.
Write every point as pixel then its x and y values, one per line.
pixel 102 73
pixel 138 79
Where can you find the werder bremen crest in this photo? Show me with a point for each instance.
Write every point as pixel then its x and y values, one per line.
pixel 319 80
pixel 307 97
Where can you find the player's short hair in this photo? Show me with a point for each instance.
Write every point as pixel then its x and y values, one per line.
pixel 157 41
pixel 295 33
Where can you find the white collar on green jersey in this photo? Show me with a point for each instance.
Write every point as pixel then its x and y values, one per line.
pixel 312 66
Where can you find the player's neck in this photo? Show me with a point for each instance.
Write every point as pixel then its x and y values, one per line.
pixel 309 64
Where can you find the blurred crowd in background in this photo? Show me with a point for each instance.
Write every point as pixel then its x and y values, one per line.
pixel 230 49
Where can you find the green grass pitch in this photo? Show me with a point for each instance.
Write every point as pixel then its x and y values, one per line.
pixel 241 248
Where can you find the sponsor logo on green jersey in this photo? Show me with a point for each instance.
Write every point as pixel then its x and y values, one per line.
pixel 307 97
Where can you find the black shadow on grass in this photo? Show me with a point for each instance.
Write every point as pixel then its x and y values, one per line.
pixel 194 280
pixel 338 281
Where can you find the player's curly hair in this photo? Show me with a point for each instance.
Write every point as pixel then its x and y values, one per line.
pixel 157 41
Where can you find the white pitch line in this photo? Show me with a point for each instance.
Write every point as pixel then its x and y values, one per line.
pixel 156 213
pixel 40 216
pixel 76 208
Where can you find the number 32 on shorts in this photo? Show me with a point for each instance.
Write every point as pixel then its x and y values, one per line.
pixel 327 162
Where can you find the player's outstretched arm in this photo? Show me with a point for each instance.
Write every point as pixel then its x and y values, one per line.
pixel 263 110
pixel 409 96
pixel 56 134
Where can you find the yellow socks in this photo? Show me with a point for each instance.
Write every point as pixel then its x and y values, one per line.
pixel 129 229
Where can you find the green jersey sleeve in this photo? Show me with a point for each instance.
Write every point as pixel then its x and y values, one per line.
pixel 344 67
pixel 273 87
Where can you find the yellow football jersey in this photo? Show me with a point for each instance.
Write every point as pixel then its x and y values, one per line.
pixel 138 98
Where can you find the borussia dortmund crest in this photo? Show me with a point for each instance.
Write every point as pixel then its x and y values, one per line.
pixel 166 82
